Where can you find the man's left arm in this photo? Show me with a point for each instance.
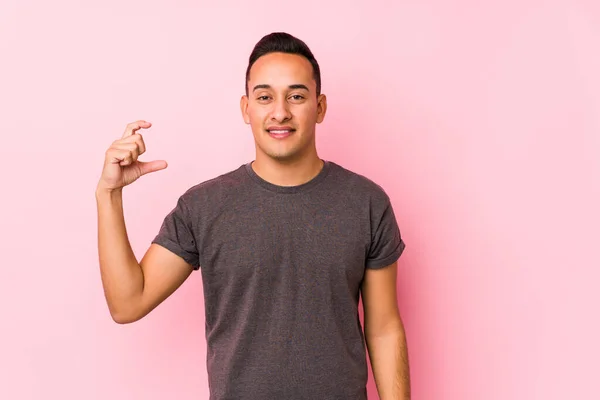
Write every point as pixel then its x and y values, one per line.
pixel 384 334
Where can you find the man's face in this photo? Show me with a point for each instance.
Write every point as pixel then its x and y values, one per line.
pixel 282 106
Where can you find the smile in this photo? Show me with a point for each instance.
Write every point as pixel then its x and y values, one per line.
pixel 280 133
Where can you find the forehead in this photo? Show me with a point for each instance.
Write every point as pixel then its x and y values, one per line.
pixel 282 69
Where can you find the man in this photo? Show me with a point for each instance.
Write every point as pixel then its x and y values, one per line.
pixel 285 245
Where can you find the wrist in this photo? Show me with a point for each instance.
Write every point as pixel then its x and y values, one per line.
pixel 108 193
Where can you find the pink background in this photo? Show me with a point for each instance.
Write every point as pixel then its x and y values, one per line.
pixel 481 120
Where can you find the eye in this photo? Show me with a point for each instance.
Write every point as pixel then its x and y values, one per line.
pixel 297 97
pixel 262 98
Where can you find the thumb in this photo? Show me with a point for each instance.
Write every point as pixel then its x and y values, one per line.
pixel 147 167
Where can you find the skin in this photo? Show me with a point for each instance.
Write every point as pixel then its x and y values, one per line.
pixel 282 92
pixel 384 333
pixel 131 289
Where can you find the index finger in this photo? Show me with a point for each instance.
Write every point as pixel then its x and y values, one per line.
pixel 135 126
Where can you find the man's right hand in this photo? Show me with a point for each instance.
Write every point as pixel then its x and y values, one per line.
pixel 132 289
pixel 121 164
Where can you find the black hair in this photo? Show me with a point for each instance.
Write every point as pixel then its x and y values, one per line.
pixel 281 42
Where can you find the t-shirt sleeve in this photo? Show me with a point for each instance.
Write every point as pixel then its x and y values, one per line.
pixel 387 243
pixel 176 234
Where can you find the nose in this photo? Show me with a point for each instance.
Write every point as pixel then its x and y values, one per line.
pixel 281 110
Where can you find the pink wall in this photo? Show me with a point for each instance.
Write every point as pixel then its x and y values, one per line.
pixel 481 121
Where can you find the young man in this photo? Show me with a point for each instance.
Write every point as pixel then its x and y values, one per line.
pixel 285 245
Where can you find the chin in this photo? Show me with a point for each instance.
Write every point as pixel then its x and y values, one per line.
pixel 283 157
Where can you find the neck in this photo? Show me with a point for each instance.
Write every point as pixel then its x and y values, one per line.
pixel 287 172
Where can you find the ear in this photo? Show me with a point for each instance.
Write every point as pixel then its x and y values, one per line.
pixel 321 108
pixel 244 109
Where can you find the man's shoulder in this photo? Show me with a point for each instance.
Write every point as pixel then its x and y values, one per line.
pixel 217 187
pixel 356 182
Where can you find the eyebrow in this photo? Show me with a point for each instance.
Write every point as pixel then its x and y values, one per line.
pixel 295 86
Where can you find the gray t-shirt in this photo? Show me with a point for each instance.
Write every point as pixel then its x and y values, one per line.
pixel 281 270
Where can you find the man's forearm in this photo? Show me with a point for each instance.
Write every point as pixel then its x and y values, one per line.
pixel 121 273
pixel 389 360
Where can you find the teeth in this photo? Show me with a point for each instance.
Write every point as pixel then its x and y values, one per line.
pixel 278 132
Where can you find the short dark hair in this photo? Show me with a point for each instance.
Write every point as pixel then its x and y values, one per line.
pixel 281 42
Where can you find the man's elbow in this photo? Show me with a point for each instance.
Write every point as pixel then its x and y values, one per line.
pixel 125 315
pixel 391 327
pixel 123 319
